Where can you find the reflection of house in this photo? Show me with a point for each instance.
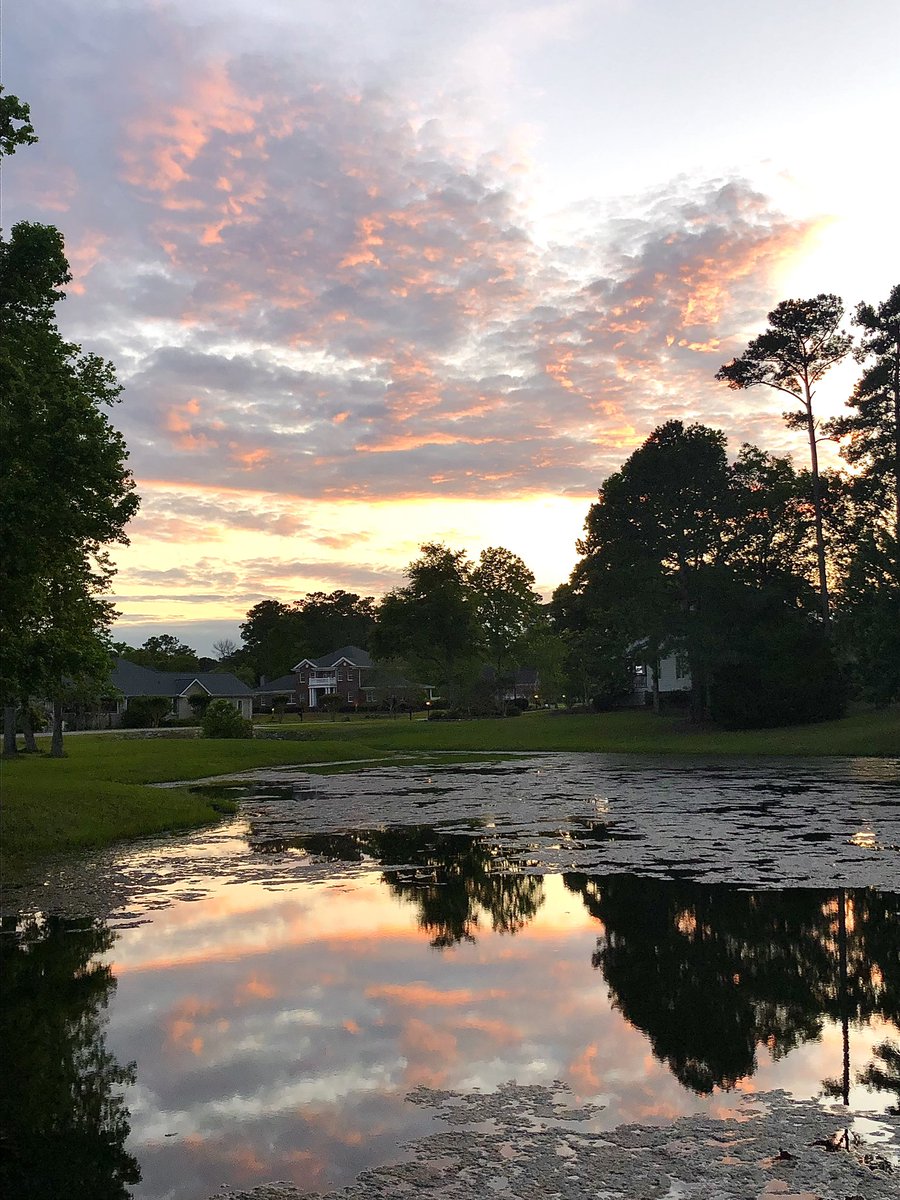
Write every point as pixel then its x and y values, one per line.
pixel 343 672
pixel 671 669
pixel 179 687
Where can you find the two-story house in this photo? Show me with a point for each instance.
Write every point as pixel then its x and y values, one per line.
pixel 343 672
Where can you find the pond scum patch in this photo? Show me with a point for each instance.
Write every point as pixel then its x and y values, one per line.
pixel 529 1143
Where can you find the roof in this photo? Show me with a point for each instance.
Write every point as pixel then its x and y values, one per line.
pixel 284 683
pixel 133 680
pixel 354 655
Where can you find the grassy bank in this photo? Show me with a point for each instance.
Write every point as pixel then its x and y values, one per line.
pixel 627 732
pixel 99 792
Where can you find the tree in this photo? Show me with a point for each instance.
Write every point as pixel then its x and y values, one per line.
pixel 225 649
pixel 873 431
pixel 66 492
pixel 162 652
pixel 326 621
pixel 64 1118
pixel 506 604
pixel 684 552
pixel 802 343
pixel 657 526
pixel 432 621
pixel 268 639
pixel 770 535
pixel 15 124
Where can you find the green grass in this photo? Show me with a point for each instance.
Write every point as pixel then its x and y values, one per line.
pixel 626 732
pixel 99 793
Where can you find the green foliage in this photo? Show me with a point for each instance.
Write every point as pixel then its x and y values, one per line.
pixel 277 636
pixel 145 712
pixel 222 720
pixel 431 623
pixel 872 431
pixel 163 652
pixel 802 343
pixel 868 623
pixel 781 671
pixel 658 523
pixel 65 493
pixel 506 604
pixel 15 124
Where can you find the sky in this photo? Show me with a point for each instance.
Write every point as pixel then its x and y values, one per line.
pixel 380 273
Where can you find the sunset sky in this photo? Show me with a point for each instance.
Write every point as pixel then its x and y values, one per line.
pixel 374 273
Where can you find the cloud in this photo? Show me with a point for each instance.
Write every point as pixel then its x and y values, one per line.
pixel 312 292
pixel 312 259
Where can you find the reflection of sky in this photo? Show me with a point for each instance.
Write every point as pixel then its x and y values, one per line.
pixel 277 1033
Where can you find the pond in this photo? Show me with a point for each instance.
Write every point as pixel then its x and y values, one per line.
pixel 259 1001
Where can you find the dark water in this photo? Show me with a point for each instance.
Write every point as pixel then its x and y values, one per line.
pixel 255 1002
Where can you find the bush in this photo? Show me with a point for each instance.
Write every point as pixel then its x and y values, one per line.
pixel 199 704
pixel 792 679
pixel 223 720
pixel 145 712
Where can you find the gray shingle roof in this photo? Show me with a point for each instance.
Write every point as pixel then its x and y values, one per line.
pixel 284 683
pixel 133 680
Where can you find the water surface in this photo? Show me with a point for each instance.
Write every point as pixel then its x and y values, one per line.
pixel 661 938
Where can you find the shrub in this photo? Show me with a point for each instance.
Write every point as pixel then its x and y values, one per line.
pixel 145 712
pixel 223 720
pixel 199 704
pixel 794 678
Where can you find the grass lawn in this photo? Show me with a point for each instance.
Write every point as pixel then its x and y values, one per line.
pixel 99 792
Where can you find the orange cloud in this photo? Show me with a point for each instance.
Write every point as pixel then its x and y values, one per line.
pixel 420 995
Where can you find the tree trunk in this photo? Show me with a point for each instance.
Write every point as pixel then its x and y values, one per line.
pixel 817 509
pixel 9 730
pixel 897 449
pixel 56 742
pixel 28 729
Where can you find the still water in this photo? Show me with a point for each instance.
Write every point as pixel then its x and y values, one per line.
pixel 255 1002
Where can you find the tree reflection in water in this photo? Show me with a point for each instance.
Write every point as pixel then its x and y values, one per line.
pixel 710 972
pixel 455 880
pixel 64 1119
pixel 883 1072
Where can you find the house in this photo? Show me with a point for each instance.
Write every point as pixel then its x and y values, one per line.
pixel 269 692
pixel 342 672
pixel 351 673
pixel 519 683
pixel 670 670
pixel 179 687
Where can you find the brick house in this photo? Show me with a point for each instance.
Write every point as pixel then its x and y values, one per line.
pixel 343 672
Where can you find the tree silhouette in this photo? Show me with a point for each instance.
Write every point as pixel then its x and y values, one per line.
pixel 710 973
pixel 803 341
pixel 63 1116
pixel 456 881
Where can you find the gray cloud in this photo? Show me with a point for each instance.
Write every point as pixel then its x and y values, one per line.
pixel 309 293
